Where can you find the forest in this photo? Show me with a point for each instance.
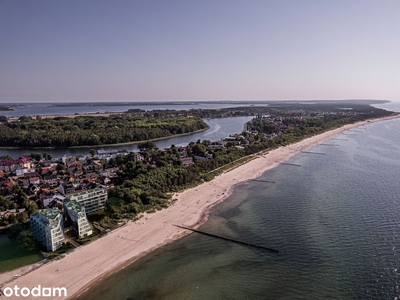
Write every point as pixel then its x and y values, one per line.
pixel 282 109
pixel 62 132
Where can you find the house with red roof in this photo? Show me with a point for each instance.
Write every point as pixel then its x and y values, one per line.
pixel 34 180
pixel 11 165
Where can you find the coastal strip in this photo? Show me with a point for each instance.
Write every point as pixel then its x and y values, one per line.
pixel 77 270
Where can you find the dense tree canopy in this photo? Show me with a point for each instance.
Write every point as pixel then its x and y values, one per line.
pixel 90 131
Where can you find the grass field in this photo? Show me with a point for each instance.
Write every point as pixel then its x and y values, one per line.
pixel 12 256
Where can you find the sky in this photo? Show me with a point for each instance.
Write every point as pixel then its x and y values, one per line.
pixel 101 50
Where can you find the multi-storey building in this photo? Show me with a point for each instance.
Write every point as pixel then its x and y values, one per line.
pixel 76 215
pixel 48 227
pixel 93 200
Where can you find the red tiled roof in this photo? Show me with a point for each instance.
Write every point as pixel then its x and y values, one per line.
pixel 11 162
pixel 47 169
pixel 9 184
pixel 186 159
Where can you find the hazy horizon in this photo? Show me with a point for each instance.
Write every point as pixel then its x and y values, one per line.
pixel 125 51
pixel 194 101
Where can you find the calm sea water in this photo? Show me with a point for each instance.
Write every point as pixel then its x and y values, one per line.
pixel 335 221
pixel 392 106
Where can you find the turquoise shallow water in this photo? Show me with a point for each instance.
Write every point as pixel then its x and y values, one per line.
pixel 335 221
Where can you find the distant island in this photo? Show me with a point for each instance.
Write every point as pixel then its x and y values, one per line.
pixel 239 102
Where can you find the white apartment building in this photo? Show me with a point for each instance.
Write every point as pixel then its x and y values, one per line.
pixel 76 214
pixel 93 200
pixel 48 227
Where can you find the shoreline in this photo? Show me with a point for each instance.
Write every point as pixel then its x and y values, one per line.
pixel 78 270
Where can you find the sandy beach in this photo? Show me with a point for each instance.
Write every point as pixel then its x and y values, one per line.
pixel 89 263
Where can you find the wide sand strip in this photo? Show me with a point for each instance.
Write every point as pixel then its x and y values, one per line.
pixel 87 264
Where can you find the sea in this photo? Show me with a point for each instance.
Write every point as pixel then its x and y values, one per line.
pixel 333 217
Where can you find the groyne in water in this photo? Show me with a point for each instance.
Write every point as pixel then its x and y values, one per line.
pixel 260 180
pixel 310 152
pixel 227 239
pixel 289 164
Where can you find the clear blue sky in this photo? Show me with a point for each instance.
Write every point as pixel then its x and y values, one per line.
pixel 102 50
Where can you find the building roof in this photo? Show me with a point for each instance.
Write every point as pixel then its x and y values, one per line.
pixel 49 213
pixel 84 192
pixel 50 177
pixel 74 205
pixel 11 162
pixel 186 159
pixel 115 169
pixel 9 184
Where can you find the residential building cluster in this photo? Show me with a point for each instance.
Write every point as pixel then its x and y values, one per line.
pixel 50 182
pixel 64 190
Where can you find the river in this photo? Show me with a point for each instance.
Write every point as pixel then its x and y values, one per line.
pixel 219 128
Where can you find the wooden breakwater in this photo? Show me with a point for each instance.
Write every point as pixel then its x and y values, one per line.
pixel 260 180
pixel 311 152
pixel 330 144
pixel 289 164
pixel 227 239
